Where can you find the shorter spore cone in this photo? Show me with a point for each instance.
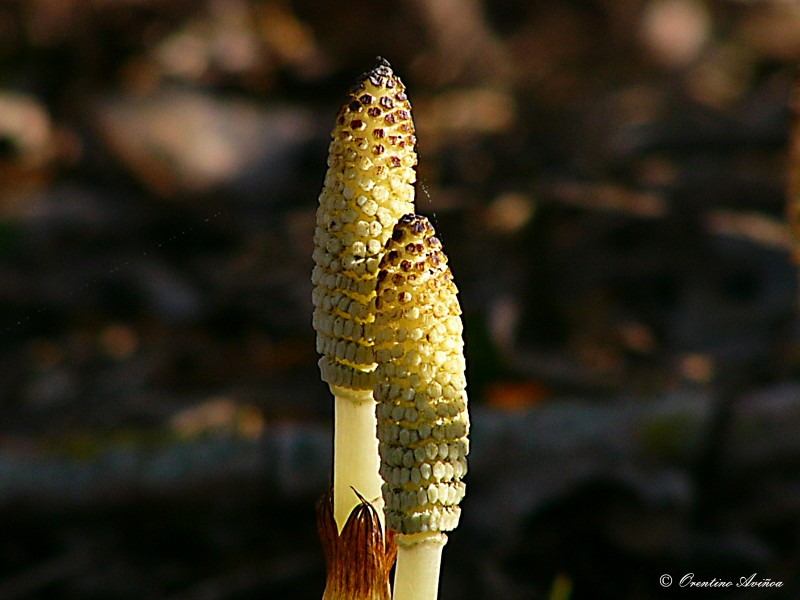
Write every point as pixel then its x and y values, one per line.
pixel 420 383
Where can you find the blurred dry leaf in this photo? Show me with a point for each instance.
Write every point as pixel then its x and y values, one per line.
pixel 755 227
pixel 464 112
pixel 698 368
pixel 26 138
pixel 509 213
pixel 609 197
pixel 119 341
pixel 675 31
pixel 772 29
pixel 722 76
pixel 218 416
pixel 179 141
pixel 461 47
pixel 290 39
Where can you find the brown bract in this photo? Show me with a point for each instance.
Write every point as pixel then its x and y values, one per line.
pixel 359 559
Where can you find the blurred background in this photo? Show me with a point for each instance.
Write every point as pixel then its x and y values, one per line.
pixel 609 181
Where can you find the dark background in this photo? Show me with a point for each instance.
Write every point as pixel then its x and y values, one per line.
pixel 608 179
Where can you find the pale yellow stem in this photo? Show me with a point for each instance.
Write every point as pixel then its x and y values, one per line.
pixel 419 558
pixel 356 462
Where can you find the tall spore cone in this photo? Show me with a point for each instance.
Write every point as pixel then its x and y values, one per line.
pixel 420 388
pixel 368 187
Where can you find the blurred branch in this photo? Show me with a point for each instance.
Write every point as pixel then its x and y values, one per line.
pixel 650 444
pixel 464 45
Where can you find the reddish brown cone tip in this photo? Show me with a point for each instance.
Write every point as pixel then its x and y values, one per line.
pixel 359 559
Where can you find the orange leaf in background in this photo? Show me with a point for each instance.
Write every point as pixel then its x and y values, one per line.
pixel 516 395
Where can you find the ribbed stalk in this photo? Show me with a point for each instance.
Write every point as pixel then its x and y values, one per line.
pixel 355 453
pixel 419 559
